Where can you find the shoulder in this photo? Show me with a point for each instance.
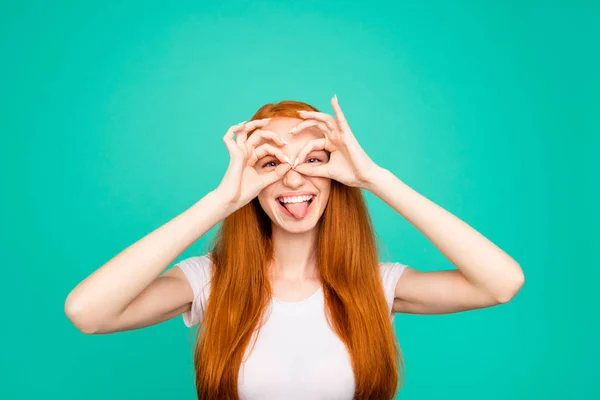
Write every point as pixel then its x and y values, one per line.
pixel 197 270
pixel 390 275
pixel 391 271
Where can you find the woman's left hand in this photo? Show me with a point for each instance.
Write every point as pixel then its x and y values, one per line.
pixel 348 163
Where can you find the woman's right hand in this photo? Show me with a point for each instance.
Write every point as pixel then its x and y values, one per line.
pixel 242 182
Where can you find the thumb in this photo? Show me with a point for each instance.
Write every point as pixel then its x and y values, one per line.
pixel 276 174
pixel 313 170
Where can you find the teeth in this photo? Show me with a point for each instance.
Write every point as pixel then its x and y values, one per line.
pixel 295 199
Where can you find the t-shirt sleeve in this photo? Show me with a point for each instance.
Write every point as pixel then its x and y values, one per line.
pixel 198 273
pixel 390 274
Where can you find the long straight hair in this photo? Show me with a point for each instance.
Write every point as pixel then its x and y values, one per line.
pixel 240 292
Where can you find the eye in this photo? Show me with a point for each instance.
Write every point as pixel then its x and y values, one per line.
pixel 271 163
pixel 315 160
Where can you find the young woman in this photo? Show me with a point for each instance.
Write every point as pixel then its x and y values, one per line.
pixel 291 300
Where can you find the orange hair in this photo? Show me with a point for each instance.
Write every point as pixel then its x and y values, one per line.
pixel 354 300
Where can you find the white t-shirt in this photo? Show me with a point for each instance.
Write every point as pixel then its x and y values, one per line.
pixel 296 355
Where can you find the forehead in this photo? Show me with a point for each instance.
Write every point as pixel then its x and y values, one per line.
pixel 282 126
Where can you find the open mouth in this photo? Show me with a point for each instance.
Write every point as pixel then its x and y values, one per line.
pixel 296 206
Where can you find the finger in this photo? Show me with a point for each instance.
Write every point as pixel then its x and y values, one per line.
pixel 241 132
pixel 266 149
pixel 309 123
pixel 262 134
pixel 340 115
pixel 313 170
pixel 228 137
pixel 240 140
pixel 254 124
pixel 312 145
pixel 319 116
pixel 329 146
pixel 276 174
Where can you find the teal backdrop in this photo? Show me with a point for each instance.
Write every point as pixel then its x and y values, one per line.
pixel 113 114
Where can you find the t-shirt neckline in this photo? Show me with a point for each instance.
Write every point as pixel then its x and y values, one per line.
pixel 300 302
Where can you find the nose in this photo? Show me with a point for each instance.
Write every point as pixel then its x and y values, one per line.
pixel 293 179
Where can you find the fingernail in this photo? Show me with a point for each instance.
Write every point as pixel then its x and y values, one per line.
pixel 267 119
pixel 301 111
pixel 335 97
pixel 284 141
pixel 293 130
pixel 287 159
pixel 243 122
pixel 295 163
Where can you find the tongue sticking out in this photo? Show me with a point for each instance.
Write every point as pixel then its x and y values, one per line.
pixel 298 210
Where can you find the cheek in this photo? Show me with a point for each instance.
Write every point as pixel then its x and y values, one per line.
pixel 266 205
pixel 265 198
pixel 323 184
pixel 268 192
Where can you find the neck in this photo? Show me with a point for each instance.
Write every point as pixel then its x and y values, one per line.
pixel 294 254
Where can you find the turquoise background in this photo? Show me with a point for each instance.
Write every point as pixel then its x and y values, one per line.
pixel 112 119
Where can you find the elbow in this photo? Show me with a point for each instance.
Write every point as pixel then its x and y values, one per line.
pixel 513 287
pixel 80 317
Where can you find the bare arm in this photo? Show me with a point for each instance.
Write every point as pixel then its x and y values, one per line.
pixel 99 302
pixel 438 292
pixel 127 292
pixel 486 275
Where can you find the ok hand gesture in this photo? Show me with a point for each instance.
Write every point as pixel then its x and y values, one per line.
pixel 242 182
pixel 348 162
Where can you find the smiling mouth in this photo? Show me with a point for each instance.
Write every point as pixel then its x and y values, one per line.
pixel 296 206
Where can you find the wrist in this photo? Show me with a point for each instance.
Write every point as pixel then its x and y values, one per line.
pixel 224 205
pixel 375 178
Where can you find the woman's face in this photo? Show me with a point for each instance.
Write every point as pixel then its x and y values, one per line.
pixel 296 202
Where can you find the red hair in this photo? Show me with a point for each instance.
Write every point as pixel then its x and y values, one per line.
pixel 355 304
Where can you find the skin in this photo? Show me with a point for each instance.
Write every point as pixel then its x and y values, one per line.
pixel 132 290
pixel 484 276
pixel 294 275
